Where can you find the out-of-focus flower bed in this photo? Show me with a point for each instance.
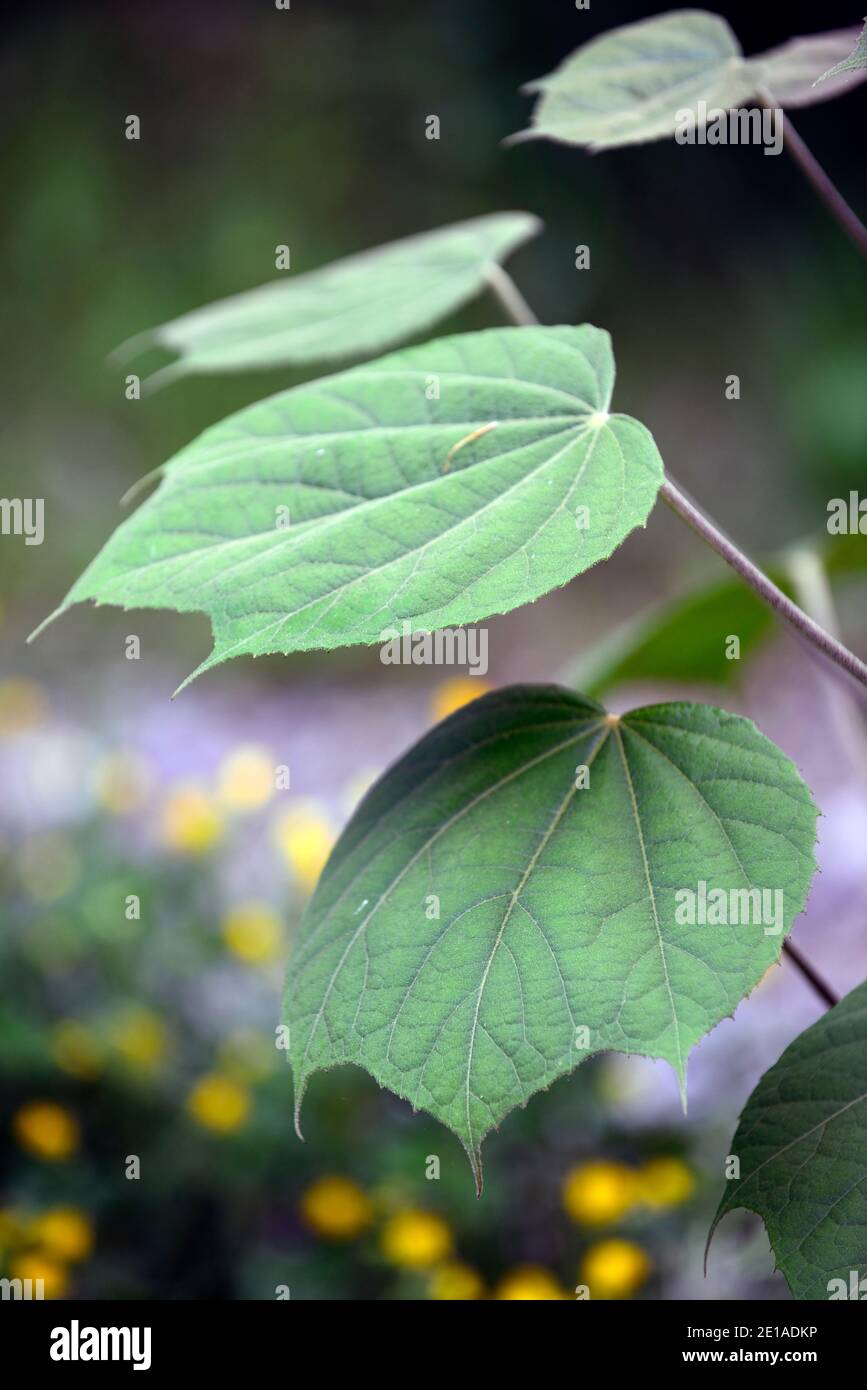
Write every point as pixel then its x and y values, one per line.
pixel 152 888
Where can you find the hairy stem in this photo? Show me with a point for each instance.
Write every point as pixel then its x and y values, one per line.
pixel 812 976
pixel 827 191
pixel 822 641
pixel 511 300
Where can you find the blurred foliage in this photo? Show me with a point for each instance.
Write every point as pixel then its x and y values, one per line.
pixel 154 1037
pixel 687 640
pixel 147 1144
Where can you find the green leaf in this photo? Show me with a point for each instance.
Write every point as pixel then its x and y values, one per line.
pixel 855 60
pixel 352 308
pixel 405 506
pixel 791 72
pixel 802 1146
pixel 634 83
pixel 682 641
pixel 480 909
pixel 685 640
pixel 626 86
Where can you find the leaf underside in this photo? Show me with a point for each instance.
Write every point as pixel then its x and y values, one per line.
pixel 556 904
pixel 852 62
pixel 790 73
pixel 634 83
pixel 353 307
pixel 404 507
pixel 802 1145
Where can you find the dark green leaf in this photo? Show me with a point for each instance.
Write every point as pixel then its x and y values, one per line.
pixel 485 923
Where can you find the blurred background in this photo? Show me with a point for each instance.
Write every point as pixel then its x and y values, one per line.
pixel 153 875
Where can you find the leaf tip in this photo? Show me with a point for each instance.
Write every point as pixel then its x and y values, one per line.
pixel 475 1157
pixel 518 137
pixel 46 622
pixel 299 1097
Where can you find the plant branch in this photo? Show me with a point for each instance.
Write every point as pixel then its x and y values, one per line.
pixel 823 990
pixel 829 646
pixel 511 300
pixel 816 176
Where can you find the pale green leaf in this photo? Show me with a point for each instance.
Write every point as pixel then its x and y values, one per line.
pixel 790 73
pixel 854 61
pixel 628 85
pixel 351 308
pixel 405 506
pixel 480 910
pixel 802 1146
pixel 635 83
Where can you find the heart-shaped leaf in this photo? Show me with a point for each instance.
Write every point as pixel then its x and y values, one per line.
pixel 626 86
pixel 351 308
pixel 633 84
pixel 509 898
pixel 433 487
pixel 802 1148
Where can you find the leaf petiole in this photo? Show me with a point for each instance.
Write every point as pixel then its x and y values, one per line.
pixel 806 627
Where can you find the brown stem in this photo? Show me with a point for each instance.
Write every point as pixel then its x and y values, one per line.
pixel 813 977
pixel 767 590
pixel 816 176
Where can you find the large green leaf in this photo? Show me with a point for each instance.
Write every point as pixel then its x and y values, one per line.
pixel 351 308
pixel 404 505
pixel 802 1146
pixel 557 904
pixel 630 85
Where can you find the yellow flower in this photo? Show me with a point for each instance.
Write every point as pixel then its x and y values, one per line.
pixel 454 694
pixel 305 837
pixel 456 1282
pixel 22 706
pixel 123 780
pixel 530 1283
pixel 64 1233
pixel 140 1038
pixel 55 1280
pixel 336 1208
pixel 246 779
pixel 219 1103
pixel 665 1182
pixel 76 1049
pixel 252 931
pixel 599 1193
pixel 46 1130
pixel 416 1239
pixel 191 823
pixel 614 1269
